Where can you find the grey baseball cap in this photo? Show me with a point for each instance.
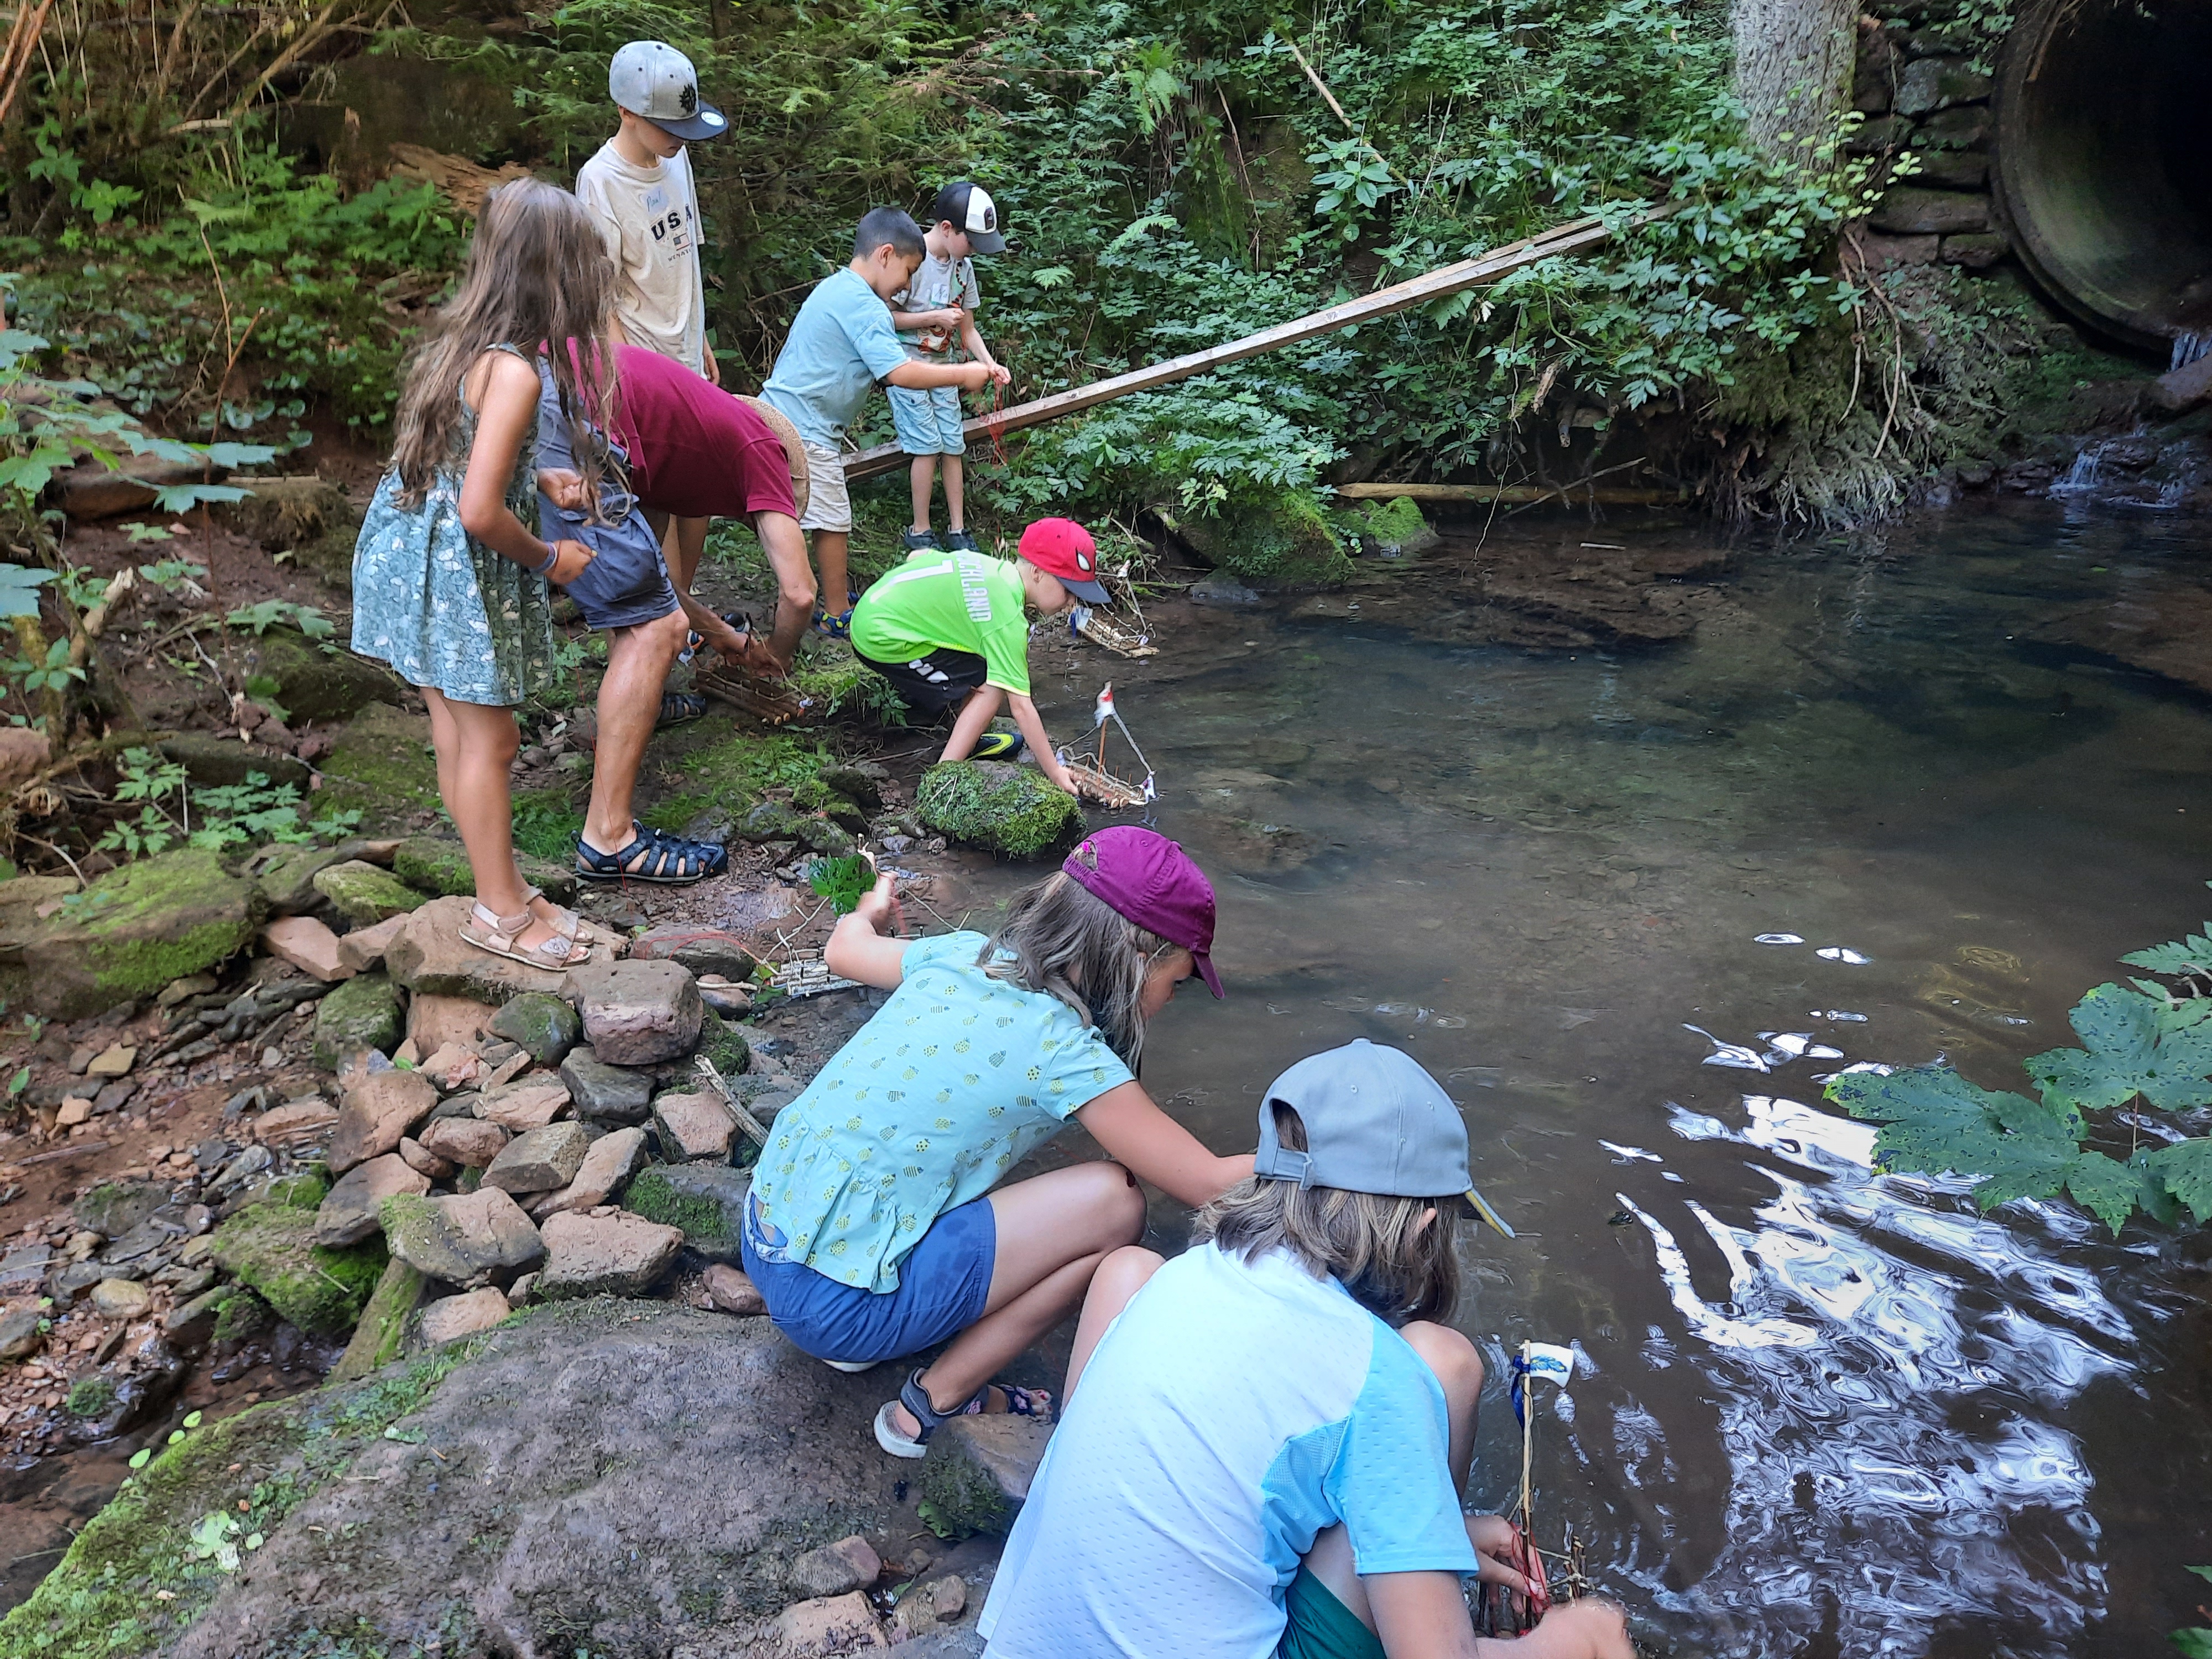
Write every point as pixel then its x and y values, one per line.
pixel 1374 1122
pixel 652 79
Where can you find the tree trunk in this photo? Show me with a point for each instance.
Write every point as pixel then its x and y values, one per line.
pixel 1793 68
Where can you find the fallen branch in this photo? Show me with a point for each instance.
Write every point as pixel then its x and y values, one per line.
pixel 18 68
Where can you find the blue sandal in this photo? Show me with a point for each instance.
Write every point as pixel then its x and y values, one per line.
pixel 1020 1402
pixel 653 856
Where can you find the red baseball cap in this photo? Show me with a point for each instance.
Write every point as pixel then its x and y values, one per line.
pixel 1148 878
pixel 1063 547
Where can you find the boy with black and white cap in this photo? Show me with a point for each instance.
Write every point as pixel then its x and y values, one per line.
pixel 935 317
pixel 1262 1457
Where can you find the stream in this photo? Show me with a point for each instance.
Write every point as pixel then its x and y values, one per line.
pixel 1817 1411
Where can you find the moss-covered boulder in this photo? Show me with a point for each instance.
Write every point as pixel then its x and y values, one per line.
pixel 356 1014
pixel 547 1025
pixel 129 933
pixel 382 767
pixel 439 868
pixel 219 760
pixel 365 893
pixel 268 1248
pixel 725 1044
pixel 1393 529
pixel 313 679
pixel 1283 540
pixel 1007 808
pixel 286 875
pixel 707 1201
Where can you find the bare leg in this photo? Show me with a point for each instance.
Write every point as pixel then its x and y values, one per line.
pixel 921 481
pixel 1053 1231
pixel 784 544
pixel 974 715
pixel 638 660
pixel 956 493
pixel 683 546
pixel 476 745
pixel 1120 1276
pixel 829 547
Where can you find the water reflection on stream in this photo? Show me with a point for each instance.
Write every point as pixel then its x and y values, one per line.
pixel 1823 1412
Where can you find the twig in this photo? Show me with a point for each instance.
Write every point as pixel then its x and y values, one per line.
pixel 22 65
pixel 1561 491
pixel 752 1125
pixel 312 35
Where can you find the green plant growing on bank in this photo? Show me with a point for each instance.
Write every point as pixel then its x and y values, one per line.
pixel 2145 1050
pixel 255 812
pixel 843 881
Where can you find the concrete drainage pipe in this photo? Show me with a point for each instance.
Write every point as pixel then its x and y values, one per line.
pixel 2103 178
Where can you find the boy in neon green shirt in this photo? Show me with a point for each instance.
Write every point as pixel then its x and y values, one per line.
pixel 950 631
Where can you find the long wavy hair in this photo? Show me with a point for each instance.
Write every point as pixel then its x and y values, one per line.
pixel 1062 939
pixel 536 273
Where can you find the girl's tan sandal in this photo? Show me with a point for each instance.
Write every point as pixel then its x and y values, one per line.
pixel 500 936
pixel 567 923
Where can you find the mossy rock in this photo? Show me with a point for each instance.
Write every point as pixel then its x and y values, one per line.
pixel 433 865
pixel 381 1334
pixel 131 932
pixel 268 1248
pixel 773 820
pixel 723 1043
pixel 547 1025
pixel 304 1191
pixel 286 875
pixel 364 893
pixel 359 1013
pixel 706 1201
pixel 1007 808
pixel 1395 529
pixel 316 681
pixel 1284 540
pixel 240 1316
pixel 215 761
pixel 382 767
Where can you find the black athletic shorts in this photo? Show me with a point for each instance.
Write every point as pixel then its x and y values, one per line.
pixel 932 684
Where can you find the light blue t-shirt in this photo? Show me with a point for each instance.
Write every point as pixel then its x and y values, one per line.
pixel 1234 1412
pixel 841 345
pixel 928 1106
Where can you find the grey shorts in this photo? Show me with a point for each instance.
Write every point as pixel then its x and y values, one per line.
pixel 828 505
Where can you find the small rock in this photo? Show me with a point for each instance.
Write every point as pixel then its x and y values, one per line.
pixel 296 1123
pixel 73 1110
pixel 21 1268
pixel 457 1316
pixel 608 1163
pixel 452 1066
pixel 114 1097
pixel 1222 590
pixel 703 950
pixel 530 1104
pixel 364 947
pixel 694 1126
pixel 308 946
pixel 979 1469
pixel 925 1606
pixel 191 1324
pixel 730 1289
pixel 272 1058
pixel 523 1292
pixel 23 755
pixel 850 1563
pixel 379 1107
pixel 114 1207
pixel 539 1160
pixel 434 1022
pixel 833 1624
pixel 547 1027
pixel 613 1254
pixel 948 1596
pixel 425 1161
pixel 361 1015
pixel 182 990
pixel 121 1298
pixel 604 1093
pixel 638 1013
pixel 20 1336
pixel 466 1239
pixel 469 1141
pixel 114 1060
pixel 365 895
pixel 349 1212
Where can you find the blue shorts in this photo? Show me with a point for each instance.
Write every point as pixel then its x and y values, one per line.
pixel 627 582
pixel 943 1285
pixel 928 421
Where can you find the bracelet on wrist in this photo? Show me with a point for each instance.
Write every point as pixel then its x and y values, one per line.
pixel 552 558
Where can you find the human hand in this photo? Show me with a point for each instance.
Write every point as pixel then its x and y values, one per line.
pixel 879 905
pixel 1494 1537
pixel 1058 775
pixel 730 645
pixel 950 316
pixel 570 559
pixel 564 488
pixel 1002 374
pixel 713 368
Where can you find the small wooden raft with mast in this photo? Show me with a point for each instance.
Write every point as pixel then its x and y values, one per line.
pixel 1576 237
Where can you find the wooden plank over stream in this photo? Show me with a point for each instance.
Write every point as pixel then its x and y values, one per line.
pixel 1488 267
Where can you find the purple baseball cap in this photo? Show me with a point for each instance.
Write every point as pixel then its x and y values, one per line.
pixel 1151 881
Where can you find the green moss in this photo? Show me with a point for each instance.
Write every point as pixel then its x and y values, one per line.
pixel 131 1583
pixel 304 1191
pixel 433 864
pixel 837 685
pixel 381 767
pixel 268 1248
pixel 734 774
pixel 90 1395
pixel 241 1314
pixel 365 894
pixel 160 918
pixel 378 1339
pixel 706 1201
pixel 650 1195
pixel 723 1043
pixel 317 681
pixel 1008 809
pixel 1283 539
pixel 959 1499
pixel 359 1013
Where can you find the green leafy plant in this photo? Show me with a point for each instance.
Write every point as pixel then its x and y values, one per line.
pixel 271 613
pixel 2196 1642
pixel 843 881
pixel 255 812
pixel 2145 1047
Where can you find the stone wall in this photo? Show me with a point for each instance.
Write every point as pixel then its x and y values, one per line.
pixel 1920 92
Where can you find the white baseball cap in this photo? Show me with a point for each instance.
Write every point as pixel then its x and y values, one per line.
pixel 970 207
pixel 651 78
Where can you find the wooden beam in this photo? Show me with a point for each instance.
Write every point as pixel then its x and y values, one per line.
pixel 1488 267
pixel 1605 494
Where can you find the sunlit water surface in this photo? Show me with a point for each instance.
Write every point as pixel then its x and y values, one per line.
pixel 1818 1411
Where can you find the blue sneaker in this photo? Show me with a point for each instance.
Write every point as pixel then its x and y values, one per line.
pixel 959 541
pixel 915 540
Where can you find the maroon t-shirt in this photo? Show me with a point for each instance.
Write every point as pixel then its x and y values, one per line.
pixel 695 451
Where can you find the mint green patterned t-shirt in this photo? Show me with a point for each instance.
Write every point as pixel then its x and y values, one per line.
pixel 933 1100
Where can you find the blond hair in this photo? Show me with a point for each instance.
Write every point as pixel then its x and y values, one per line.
pixel 1065 941
pixel 1375 1245
pixel 536 274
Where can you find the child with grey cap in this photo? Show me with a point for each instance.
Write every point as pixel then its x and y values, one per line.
pixel 1265 1440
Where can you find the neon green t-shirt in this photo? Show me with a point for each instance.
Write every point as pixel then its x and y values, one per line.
pixel 948 602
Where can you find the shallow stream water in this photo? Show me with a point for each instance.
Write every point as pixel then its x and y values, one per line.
pixel 1818 1411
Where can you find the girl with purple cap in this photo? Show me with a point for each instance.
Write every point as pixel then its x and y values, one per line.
pixel 873 1230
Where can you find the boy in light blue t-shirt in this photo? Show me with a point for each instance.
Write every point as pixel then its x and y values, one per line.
pixel 1266 1439
pixel 841 346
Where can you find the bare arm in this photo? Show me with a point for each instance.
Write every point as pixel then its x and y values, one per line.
pixel 971 342
pixel 1424 1615
pixel 858 948
pixel 1156 1148
pixel 970 377
pixel 1032 725
pixel 504 393
pixel 944 317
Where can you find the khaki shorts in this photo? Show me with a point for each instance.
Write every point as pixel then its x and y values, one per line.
pixel 829 506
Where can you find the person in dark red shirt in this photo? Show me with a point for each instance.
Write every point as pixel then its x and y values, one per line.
pixel 694 451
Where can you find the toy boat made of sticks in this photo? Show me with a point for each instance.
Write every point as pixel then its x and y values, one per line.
pixel 1101 630
pixel 772 702
pixel 1090 771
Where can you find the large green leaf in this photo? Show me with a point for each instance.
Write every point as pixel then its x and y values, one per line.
pixel 2186 1168
pixel 2136 1044
pixel 2105 1187
pixel 2195 1643
pixel 19 589
pixel 2191 955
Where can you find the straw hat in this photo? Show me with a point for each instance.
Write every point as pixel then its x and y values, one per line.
pixel 794 450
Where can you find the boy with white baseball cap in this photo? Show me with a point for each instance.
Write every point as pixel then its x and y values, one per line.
pixel 1265 1440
